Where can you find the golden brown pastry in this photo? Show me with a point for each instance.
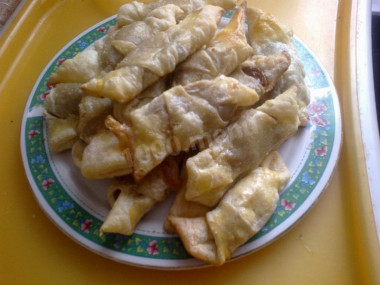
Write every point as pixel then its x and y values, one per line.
pixel 185 209
pixel 157 56
pixel 122 111
pixel 196 237
pixel 225 52
pixel 268 37
pixel 103 157
pixel 242 212
pixel 182 117
pixel 109 51
pixel 79 69
pixel 262 72
pixel 137 11
pixel 159 19
pixel 62 133
pixel 241 147
pixel 63 100
pixel 129 207
pixel 122 40
pixel 77 151
pixel 62 116
pixel 247 206
pixel 229 189
pixel 130 201
pixel 92 113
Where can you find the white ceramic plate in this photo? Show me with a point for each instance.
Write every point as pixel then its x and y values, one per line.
pixel 79 206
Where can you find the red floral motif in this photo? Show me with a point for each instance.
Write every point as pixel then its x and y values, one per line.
pixel 60 61
pixel 86 226
pixel 316 108
pixel 152 248
pixel 33 133
pixel 102 30
pixel 321 151
pixel 288 205
pixel 44 95
pixel 46 183
pixel 318 121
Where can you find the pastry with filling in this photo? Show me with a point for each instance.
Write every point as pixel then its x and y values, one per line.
pixel 137 11
pixel 122 111
pixel 242 212
pixel 268 37
pixel 129 207
pixel 62 116
pixel 77 151
pixel 81 68
pixel 63 100
pixel 109 51
pixel 92 113
pixel 225 52
pixel 157 56
pixel 182 117
pixel 62 133
pixel 262 72
pixel 184 209
pixel 103 157
pixel 241 147
pixel 122 40
pixel 129 201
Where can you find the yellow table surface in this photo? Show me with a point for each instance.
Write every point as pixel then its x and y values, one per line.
pixel 335 243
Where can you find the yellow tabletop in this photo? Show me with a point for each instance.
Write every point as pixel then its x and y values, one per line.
pixel 335 243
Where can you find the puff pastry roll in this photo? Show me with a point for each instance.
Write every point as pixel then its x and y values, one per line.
pixel 92 113
pixel 109 51
pixel 182 117
pixel 267 37
pixel 242 147
pixel 196 237
pixel 226 51
pixel 242 212
pixel 247 207
pixel 130 201
pixel 136 11
pixel 62 133
pixel 157 56
pixel 77 151
pixel 159 19
pixel 122 111
pixel 184 209
pixel 128 209
pixel 132 12
pixel 103 157
pixel 81 68
pixel 120 41
pixel 63 100
pixel 262 72
pixel 180 206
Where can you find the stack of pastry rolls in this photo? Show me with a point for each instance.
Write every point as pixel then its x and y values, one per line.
pixel 168 102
